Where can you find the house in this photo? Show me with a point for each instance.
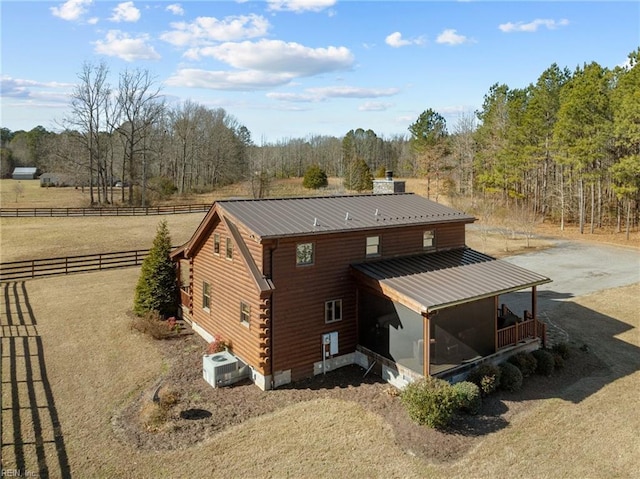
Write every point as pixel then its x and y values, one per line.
pixel 301 286
pixel 54 179
pixel 25 173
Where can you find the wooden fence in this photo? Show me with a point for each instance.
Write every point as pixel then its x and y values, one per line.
pixel 36 268
pixel 117 211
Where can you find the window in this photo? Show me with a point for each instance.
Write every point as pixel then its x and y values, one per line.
pixel 206 295
pixel 333 311
pixel 216 244
pixel 373 246
pixel 229 249
pixel 245 313
pixel 428 239
pixel 304 254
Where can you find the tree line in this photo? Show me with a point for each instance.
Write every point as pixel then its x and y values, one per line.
pixel 565 148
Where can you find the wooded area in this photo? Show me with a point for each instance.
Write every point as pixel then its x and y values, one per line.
pixel 565 148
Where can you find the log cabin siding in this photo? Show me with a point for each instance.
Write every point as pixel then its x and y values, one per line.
pixel 230 284
pixel 298 301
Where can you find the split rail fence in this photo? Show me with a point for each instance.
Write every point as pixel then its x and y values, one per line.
pixel 37 268
pixel 117 211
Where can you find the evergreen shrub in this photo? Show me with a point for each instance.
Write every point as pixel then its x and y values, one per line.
pixel 314 178
pixel 468 397
pixel 486 376
pixel 510 377
pixel 545 362
pixel 430 401
pixel 525 362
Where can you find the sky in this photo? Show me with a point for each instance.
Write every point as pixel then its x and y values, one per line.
pixel 293 68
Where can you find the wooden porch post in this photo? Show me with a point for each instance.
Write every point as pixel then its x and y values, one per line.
pixel 534 301
pixel 495 322
pixel 426 351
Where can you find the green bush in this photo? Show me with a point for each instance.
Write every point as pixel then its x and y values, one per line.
pixel 486 377
pixel 545 362
pixel 510 377
pixel 468 397
pixel 525 362
pixel 430 401
pixel 315 177
pixel 562 349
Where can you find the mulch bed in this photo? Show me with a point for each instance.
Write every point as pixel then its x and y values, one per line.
pixel 202 411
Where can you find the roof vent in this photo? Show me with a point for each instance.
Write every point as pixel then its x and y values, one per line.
pixel 346 217
pixel 315 222
pixel 389 174
pixel 377 212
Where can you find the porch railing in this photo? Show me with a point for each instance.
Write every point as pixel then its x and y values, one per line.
pixel 530 329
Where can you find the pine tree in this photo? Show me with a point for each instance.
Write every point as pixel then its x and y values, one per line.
pixel 157 288
pixel 315 177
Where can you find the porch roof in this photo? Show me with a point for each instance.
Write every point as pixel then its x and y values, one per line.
pixel 440 280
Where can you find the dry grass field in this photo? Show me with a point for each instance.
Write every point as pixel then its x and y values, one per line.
pixel 97 366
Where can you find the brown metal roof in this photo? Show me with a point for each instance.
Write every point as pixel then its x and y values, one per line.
pixel 314 215
pixel 439 280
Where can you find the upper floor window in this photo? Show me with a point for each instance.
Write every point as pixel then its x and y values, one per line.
pixel 304 254
pixel 245 313
pixel 229 249
pixel 206 295
pixel 373 246
pixel 216 244
pixel 333 311
pixel 429 239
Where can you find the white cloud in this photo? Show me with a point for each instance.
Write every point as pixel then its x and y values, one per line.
pixel 209 29
pixel 175 8
pixel 29 89
pixel 375 106
pixel 247 80
pixel 71 10
pixel 300 6
pixel 326 93
pixel 533 26
pixel 121 45
pixel 395 40
pixel 125 12
pixel 278 56
pixel 450 37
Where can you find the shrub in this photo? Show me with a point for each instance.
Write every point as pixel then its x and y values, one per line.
pixel 545 362
pixel 430 401
pixel 157 288
pixel 167 398
pixel 468 397
pixel 152 324
pixel 562 349
pixel 510 377
pixel 314 178
pixel 486 377
pixel 153 416
pixel 525 362
pixel 217 345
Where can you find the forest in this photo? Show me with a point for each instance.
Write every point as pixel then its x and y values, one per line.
pixel 565 149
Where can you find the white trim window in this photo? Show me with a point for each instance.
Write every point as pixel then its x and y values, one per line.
pixel 245 313
pixel 229 248
pixel 373 246
pixel 429 239
pixel 206 296
pixel 216 244
pixel 304 254
pixel 333 311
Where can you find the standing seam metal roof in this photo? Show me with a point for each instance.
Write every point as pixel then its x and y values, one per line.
pixel 316 215
pixel 443 279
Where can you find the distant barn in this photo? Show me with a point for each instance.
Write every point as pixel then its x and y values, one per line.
pixel 25 173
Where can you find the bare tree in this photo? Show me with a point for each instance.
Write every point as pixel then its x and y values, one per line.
pixel 138 109
pixel 88 106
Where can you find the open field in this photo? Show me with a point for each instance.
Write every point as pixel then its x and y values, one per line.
pixel 97 366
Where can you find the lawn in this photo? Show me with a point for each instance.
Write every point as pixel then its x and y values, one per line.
pixel 98 365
